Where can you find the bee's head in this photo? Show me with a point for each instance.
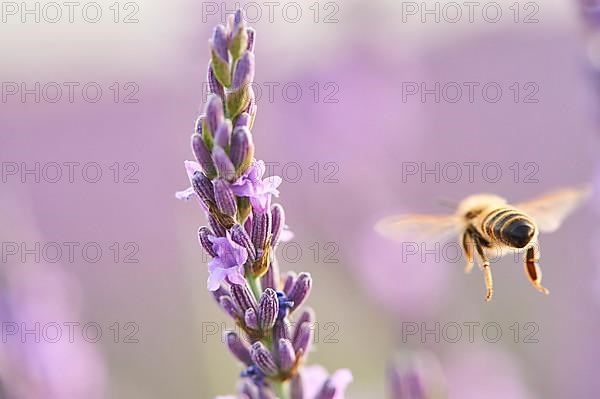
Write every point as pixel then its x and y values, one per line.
pixel 519 233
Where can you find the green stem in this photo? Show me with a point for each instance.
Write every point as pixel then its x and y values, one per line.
pixel 254 283
pixel 279 388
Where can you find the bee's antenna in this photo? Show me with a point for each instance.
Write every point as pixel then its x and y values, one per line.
pixel 447 202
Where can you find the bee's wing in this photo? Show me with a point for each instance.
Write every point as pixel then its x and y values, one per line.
pixel 550 210
pixel 421 228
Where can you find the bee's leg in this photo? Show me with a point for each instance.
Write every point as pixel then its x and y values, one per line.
pixel 467 245
pixel 532 269
pixel 487 270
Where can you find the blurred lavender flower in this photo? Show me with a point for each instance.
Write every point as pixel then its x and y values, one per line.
pixel 39 293
pixel 318 384
pixel 415 376
pixel 244 230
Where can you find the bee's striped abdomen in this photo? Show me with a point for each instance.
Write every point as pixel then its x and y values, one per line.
pixel 508 226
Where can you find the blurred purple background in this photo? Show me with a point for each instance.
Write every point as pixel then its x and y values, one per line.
pixel 351 134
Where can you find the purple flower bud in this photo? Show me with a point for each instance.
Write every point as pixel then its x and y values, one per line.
pixel 328 390
pixel 242 149
pixel 249 390
pixel 223 163
pixel 218 42
pixel 301 289
pixel 239 96
pixel 219 292
pixel 244 71
pixel 241 237
pixel 238 20
pixel 268 308
pixel 263 359
pixel 290 280
pixel 281 330
pixel 243 298
pixel 296 390
pixel 202 155
pixel 239 348
pixel 242 120
pixel 223 134
pixel 251 319
pixel 214 114
pixel 415 385
pixel 203 186
pixel 251 39
pixel 308 317
pixel 214 85
pixel 224 197
pixel 287 356
pixel 203 234
pixel 216 226
pixel 303 340
pixel 229 307
pixel 239 36
pixel 261 229
pixel 277 224
pixel 265 393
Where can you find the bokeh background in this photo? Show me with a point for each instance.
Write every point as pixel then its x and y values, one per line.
pixel 342 146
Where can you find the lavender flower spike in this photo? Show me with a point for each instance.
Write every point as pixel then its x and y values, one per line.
pixel 244 230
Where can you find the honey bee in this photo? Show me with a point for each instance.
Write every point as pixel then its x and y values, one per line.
pixel 487 226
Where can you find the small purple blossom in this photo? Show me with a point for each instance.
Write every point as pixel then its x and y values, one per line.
pixel 229 263
pixel 314 379
pixel 252 185
pixel 191 168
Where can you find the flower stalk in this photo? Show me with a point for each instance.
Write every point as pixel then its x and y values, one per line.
pixel 244 230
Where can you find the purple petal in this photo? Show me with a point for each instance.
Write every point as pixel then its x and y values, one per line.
pixel 185 194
